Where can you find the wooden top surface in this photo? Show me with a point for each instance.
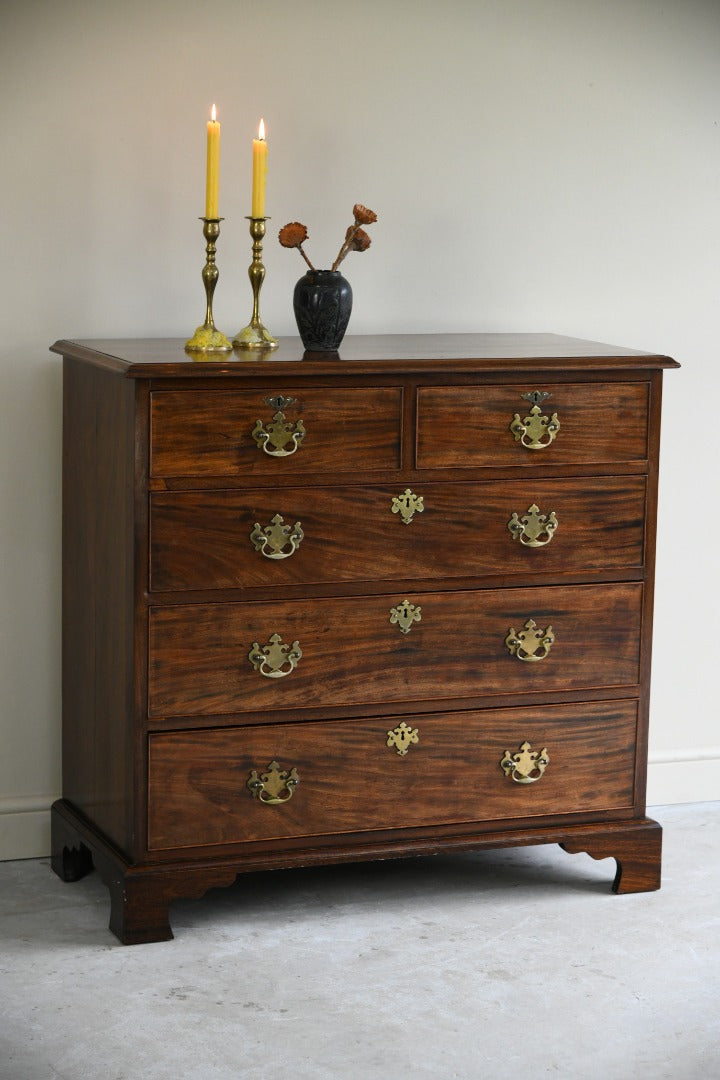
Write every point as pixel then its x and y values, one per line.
pixel 371 354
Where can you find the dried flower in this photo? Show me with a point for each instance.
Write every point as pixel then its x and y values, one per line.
pixel 356 239
pixel 294 234
pixel 359 239
pixel 362 215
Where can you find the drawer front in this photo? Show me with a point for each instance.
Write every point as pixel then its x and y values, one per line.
pixel 234 539
pixel 470 426
pixel 347 778
pixel 234 658
pixel 254 433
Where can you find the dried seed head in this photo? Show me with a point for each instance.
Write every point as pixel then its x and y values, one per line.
pixel 359 239
pixel 293 234
pixel 362 215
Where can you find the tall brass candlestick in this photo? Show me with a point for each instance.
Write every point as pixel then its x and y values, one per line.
pixel 207 338
pixel 255 335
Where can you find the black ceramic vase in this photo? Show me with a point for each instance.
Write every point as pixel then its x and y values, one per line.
pixel 322 302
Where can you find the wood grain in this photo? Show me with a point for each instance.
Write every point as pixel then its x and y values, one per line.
pixel 464 427
pixel 201 539
pixel 209 432
pixel 98 560
pixel 352 654
pixel 350 780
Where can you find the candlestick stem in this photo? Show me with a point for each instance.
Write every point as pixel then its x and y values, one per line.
pixel 255 335
pixel 207 338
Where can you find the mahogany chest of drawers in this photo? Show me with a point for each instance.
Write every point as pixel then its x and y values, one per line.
pixel 323 608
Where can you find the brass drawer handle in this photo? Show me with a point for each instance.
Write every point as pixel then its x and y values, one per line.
pixel 532 643
pixel 407 505
pixel 532 527
pixel 274 539
pixel 274 786
pixel 402 738
pixel 276 659
pixel 535 431
pixel 404 615
pixel 275 436
pixel 526 765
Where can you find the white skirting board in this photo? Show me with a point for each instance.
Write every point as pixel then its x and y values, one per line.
pixel 25 826
pixel 676 776
pixel 684 776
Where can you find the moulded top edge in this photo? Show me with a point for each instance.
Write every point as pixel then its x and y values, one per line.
pixel 361 354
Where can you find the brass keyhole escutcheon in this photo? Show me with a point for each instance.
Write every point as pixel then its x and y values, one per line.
pixel 279 401
pixel 407 505
pixel 532 643
pixel 525 765
pixel 273 786
pixel 276 659
pixel 535 431
pixel 402 738
pixel 274 540
pixel 404 615
pixel 533 529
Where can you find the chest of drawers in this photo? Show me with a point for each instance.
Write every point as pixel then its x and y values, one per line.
pixel 319 608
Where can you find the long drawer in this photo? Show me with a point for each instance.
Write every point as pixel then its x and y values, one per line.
pixel 230 785
pixel 207 659
pixel 303 535
pixel 258 433
pixel 569 423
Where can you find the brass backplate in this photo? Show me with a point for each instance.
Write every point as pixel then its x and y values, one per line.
pixel 277 540
pixel 533 529
pixel 525 765
pixel 276 659
pixel 536 430
pixel 532 643
pixel 275 436
pixel 273 786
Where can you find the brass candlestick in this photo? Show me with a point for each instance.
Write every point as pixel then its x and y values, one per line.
pixel 207 338
pixel 255 335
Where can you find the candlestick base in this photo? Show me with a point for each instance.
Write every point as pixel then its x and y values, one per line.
pixel 207 338
pixel 255 335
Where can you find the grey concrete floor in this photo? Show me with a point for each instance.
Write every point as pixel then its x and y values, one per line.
pixel 479 966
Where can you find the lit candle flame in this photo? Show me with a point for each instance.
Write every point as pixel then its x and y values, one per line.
pixel 261 130
pixel 213 114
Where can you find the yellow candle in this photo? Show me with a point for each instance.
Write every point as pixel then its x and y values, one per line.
pixel 213 166
pixel 259 173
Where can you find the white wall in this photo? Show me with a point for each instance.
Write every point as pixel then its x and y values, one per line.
pixel 535 165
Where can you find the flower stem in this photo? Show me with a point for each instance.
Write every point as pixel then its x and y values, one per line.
pixel 345 247
pixel 300 249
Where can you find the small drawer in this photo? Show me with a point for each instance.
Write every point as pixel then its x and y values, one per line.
pixel 551 424
pixel 213 659
pixel 298 536
pixel 270 434
pixel 233 785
